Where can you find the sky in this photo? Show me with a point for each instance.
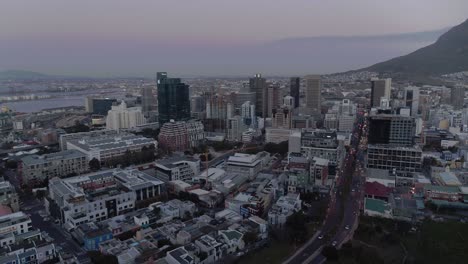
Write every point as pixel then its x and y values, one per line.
pixel 202 37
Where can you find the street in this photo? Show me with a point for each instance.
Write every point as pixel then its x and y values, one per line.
pixel 338 224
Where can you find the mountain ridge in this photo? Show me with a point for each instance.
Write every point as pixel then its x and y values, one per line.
pixel 447 55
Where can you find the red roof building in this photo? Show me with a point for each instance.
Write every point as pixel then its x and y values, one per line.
pixel 376 190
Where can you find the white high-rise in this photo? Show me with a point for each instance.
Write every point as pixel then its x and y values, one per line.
pixel 121 117
pixel 412 99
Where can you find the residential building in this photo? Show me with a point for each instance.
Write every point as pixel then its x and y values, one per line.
pixel 277 135
pixel 34 169
pixel 180 136
pixel 235 128
pixel 313 92
pixel 122 117
pixel 35 251
pixel 107 147
pixel 173 99
pixel 91 235
pixel 212 248
pixel 14 225
pixel 284 207
pixel 98 196
pixel 8 196
pixel 380 88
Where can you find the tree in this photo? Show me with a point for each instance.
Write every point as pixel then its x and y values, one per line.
pixel 94 164
pixel 296 224
pixel 250 237
pixel 330 253
pixel 98 257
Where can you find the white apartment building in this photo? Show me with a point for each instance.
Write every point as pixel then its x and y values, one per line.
pixel 99 196
pixel 284 207
pixel 12 225
pixel 35 169
pixel 122 117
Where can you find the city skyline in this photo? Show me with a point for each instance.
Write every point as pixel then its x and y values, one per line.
pixel 89 40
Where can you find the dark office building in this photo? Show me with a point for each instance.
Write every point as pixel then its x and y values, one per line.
pixel 173 99
pixel 391 129
pixel 102 105
pixel 294 88
pixel 260 87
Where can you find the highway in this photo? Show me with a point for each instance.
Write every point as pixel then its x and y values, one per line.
pixel 342 216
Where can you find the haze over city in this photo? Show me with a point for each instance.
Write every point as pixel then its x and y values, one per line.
pixel 211 38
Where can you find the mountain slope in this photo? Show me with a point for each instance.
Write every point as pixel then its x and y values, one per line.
pixel 19 74
pixel 448 54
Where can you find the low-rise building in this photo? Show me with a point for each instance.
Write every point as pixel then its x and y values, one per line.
pixel 105 148
pixel 178 168
pixel 98 196
pixel 284 207
pixel 14 225
pixel 34 169
pixel 8 196
pixel 246 164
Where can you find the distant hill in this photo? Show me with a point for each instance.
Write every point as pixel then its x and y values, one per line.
pixel 19 74
pixel 447 55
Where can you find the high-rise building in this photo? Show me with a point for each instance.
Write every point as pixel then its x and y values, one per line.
pixel 391 129
pixel 259 86
pixel 121 116
pixel 173 99
pixel 98 106
pixel 148 101
pixel 273 98
pixel 294 90
pixel 289 102
pixel 457 97
pixel 412 99
pixel 313 93
pixel 380 88
pixel 248 114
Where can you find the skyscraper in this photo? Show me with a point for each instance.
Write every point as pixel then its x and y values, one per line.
pixel 380 88
pixel 294 88
pixel 259 86
pixel 412 99
pixel 457 97
pixel 273 98
pixel 147 100
pixel 173 99
pixel 313 92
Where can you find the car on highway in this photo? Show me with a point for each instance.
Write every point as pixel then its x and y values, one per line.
pixel 334 243
pixel 346 227
pixel 320 237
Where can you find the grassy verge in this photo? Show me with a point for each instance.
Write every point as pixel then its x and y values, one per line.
pixel 277 252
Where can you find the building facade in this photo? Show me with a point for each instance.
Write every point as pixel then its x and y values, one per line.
pixel 34 169
pixel 173 99
pixel 313 92
pixel 123 117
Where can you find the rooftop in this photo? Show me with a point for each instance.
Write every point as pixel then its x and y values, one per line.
pixel 62 155
pixel 107 142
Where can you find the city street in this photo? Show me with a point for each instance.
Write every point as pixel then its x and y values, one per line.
pixel 338 224
pixel 36 210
